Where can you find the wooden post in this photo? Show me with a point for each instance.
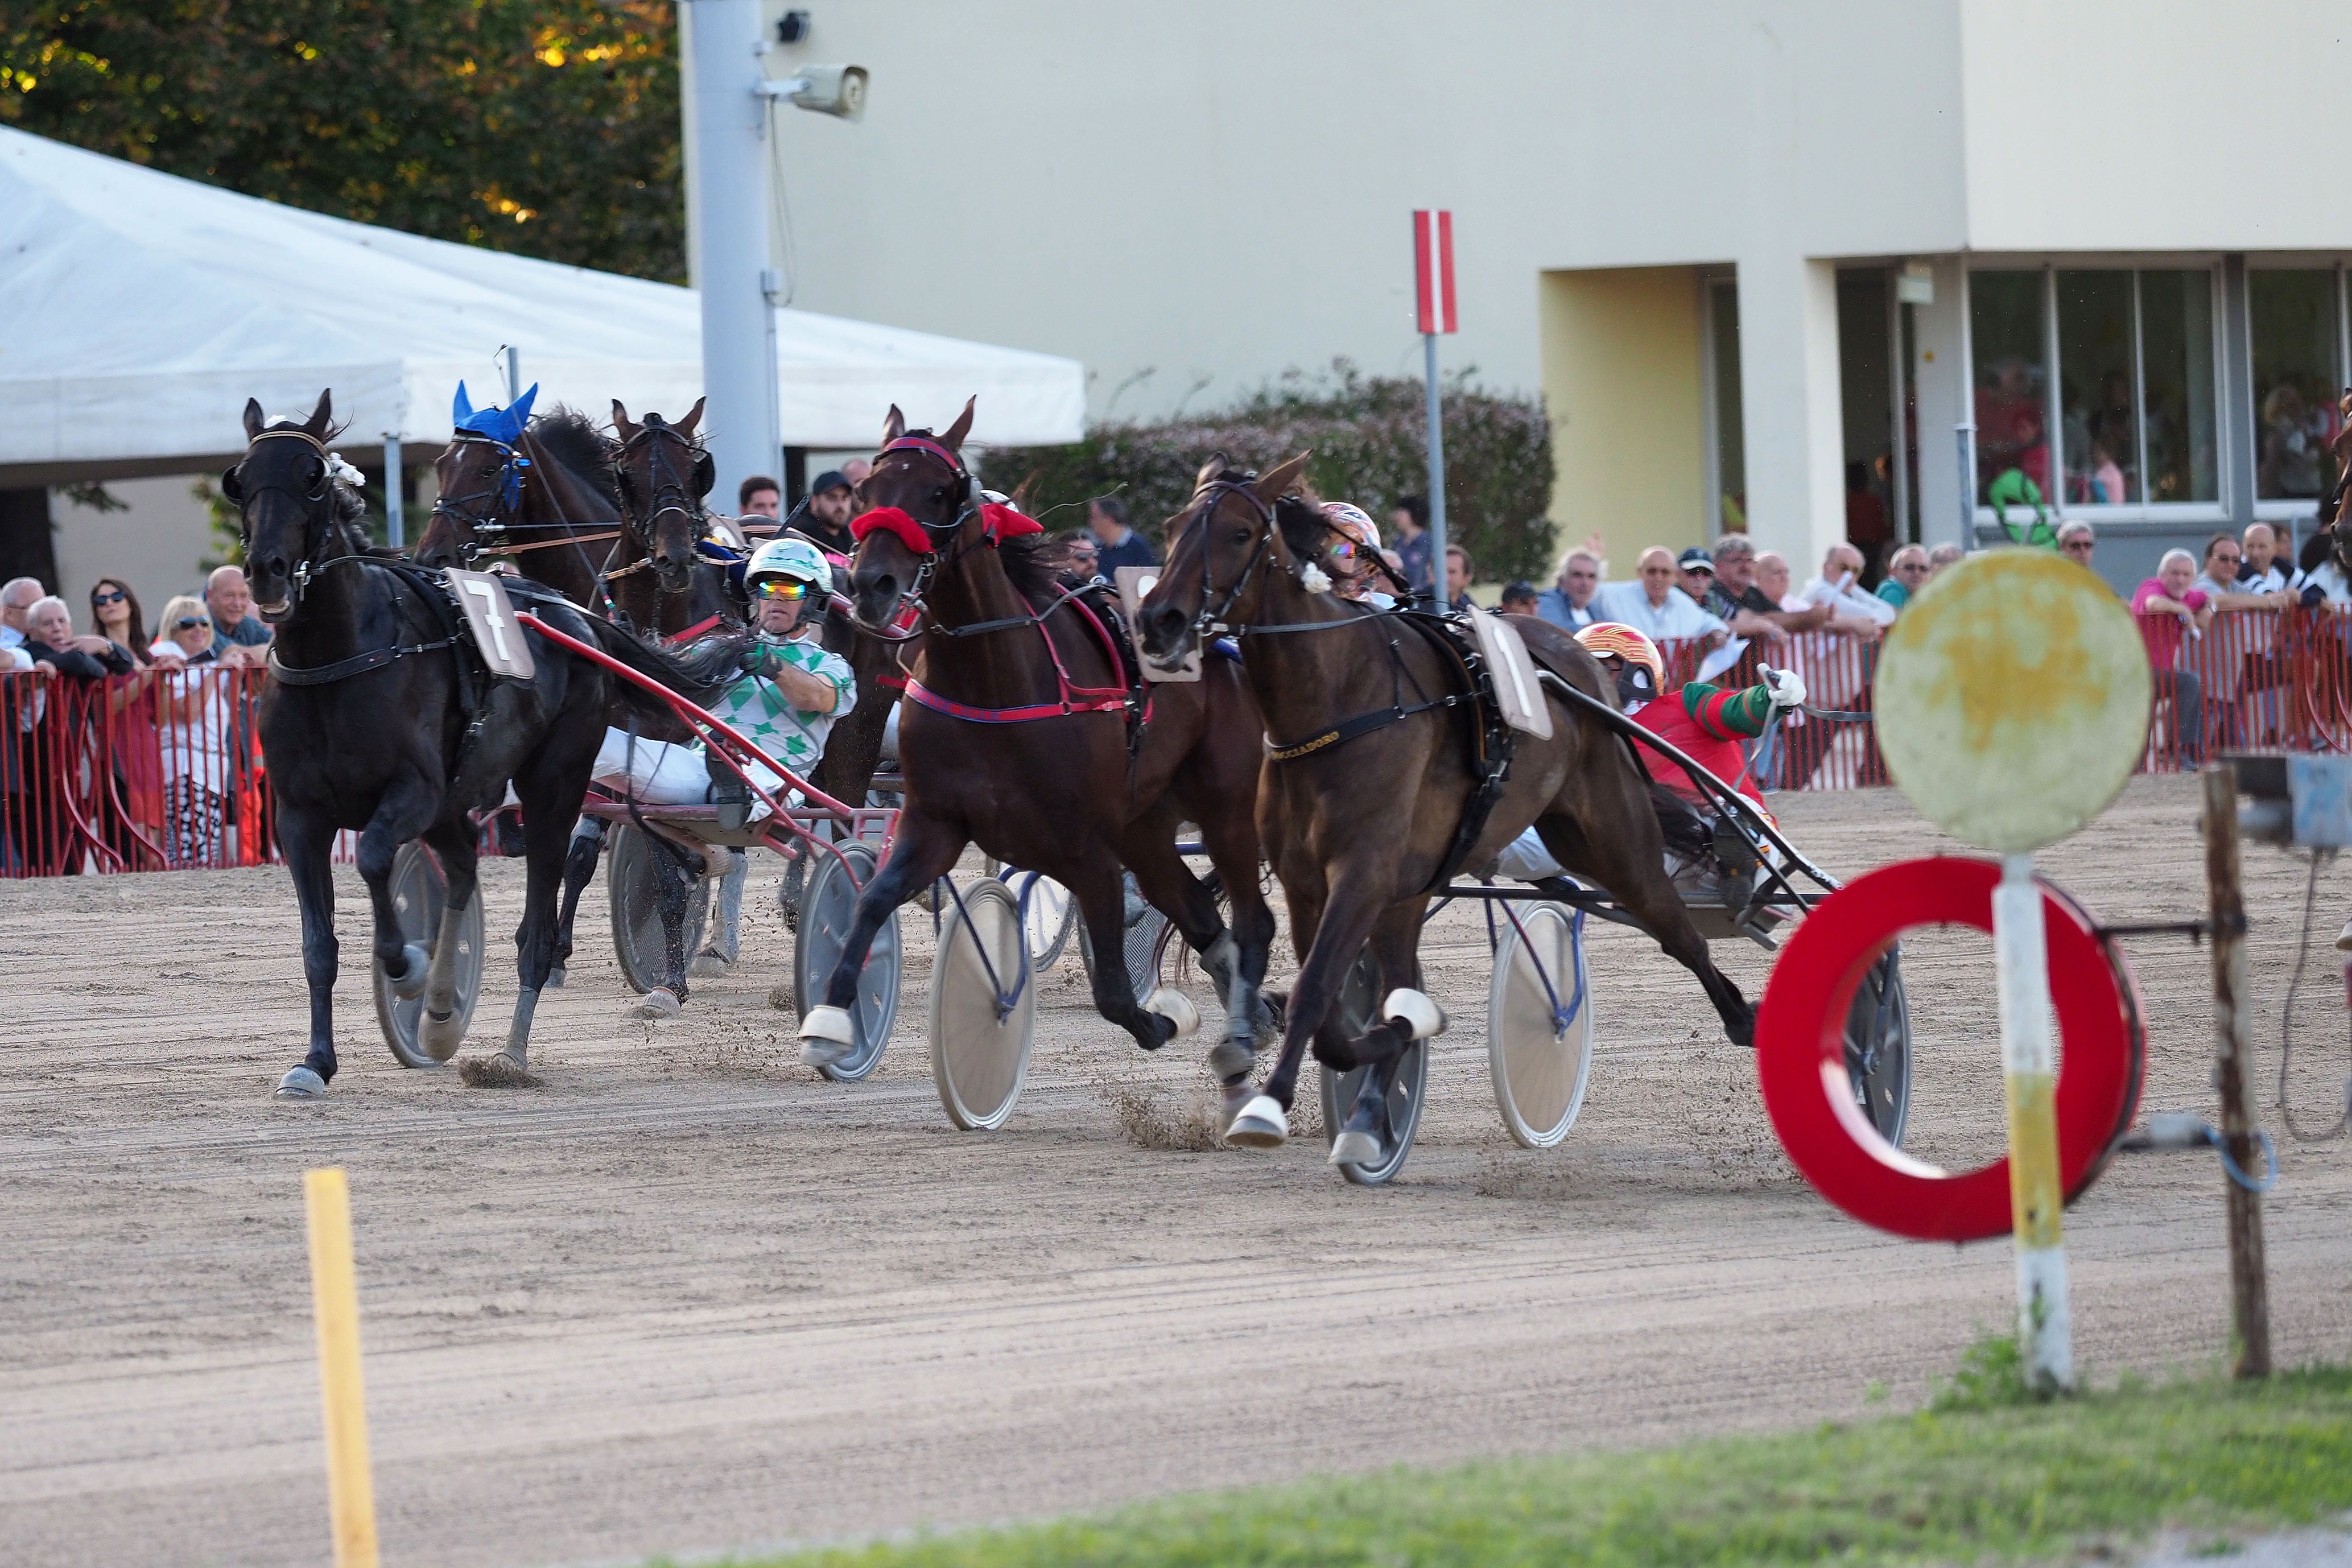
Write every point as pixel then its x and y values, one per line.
pixel 2029 1061
pixel 334 1296
pixel 2250 1304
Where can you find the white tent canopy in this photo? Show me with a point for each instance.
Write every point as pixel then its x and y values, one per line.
pixel 142 310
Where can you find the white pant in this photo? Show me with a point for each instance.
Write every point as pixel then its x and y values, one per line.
pixel 661 774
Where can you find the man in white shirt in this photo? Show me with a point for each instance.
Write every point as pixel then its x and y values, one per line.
pixel 18 596
pixel 1655 606
pixel 1852 611
pixel 2265 571
pixel 2219 579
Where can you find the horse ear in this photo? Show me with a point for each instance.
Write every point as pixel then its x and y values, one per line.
pixel 463 408
pixel 953 439
pixel 1279 482
pixel 621 421
pixel 1302 525
pixel 231 486
pixel 322 416
pixel 893 425
pixel 256 421
pixel 521 410
pixel 1217 464
pixel 693 417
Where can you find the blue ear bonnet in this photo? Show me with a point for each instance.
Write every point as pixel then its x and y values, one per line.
pixel 504 426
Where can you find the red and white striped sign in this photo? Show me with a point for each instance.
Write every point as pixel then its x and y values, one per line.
pixel 1432 270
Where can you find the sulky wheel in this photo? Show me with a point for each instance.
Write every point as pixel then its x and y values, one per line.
pixel 979 1042
pixel 635 880
pixel 1146 929
pixel 1354 1013
pixel 1878 1048
pixel 827 908
pixel 1540 1023
pixel 418 891
pixel 1047 911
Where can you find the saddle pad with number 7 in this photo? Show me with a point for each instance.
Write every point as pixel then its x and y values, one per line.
pixel 491 621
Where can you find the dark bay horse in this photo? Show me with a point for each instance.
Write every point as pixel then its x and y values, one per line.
pixel 1015 735
pixel 1368 774
pixel 375 719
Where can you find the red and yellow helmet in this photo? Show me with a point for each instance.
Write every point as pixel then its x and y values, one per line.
pixel 1606 639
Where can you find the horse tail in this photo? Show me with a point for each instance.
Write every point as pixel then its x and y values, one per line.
pixel 698 673
pixel 1686 832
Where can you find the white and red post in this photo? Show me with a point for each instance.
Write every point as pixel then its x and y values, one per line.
pixel 1432 277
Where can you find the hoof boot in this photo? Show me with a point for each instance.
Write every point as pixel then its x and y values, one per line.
pixel 1262 1124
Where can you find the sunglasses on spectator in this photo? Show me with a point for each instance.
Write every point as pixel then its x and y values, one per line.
pixel 2228 560
pixel 785 591
pixel 114 598
pixel 2078 546
pixel 1908 567
pixel 190 623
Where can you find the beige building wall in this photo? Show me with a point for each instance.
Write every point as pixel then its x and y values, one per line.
pixel 155 547
pixel 1623 384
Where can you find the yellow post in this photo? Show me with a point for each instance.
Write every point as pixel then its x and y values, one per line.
pixel 335 1300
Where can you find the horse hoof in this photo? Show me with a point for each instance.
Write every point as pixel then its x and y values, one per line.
pixel 1229 1059
pixel 1355 1148
pixel 1418 1012
pixel 498 1071
pixel 440 1033
pixel 555 977
pixel 1262 1124
pixel 301 1083
pixel 411 983
pixel 827 1036
pixel 709 963
pixel 1172 1004
pixel 657 1003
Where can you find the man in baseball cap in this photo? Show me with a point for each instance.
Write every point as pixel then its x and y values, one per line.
pixel 824 516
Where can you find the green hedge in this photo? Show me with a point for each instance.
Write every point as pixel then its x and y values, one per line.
pixel 1367 434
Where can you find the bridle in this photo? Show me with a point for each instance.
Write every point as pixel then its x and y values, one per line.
pixel 311 501
pixel 1216 619
pixel 484 530
pixel 947 547
pixel 671 493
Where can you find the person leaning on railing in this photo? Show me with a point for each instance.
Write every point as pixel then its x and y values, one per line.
pixel 47 743
pixel 193 711
pixel 2168 605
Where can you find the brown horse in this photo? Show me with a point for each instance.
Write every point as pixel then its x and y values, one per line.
pixel 1368 774
pixel 1015 735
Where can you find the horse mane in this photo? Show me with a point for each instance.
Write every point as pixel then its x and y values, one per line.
pixel 575 441
pixel 1034 563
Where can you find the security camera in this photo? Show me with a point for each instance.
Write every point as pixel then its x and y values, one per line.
pixel 838 90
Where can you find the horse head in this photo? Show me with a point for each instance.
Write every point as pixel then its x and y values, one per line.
pixel 287 500
pixel 1221 545
pixel 664 473
pixel 480 480
pixel 921 479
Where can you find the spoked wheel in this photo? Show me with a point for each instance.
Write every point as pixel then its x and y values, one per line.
pixel 1047 913
pixel 1540 1023
pixel 634 880
pixel 419 892
pixel 1355 1012
pixel 980 1047
pixel 1142 944
pixel 1878 1048
pixel 828 908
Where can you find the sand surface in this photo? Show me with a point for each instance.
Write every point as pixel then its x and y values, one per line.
pixel 685 1297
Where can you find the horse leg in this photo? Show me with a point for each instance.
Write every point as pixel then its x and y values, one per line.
pixel 405 810
pixel 1634 871
pixel 675 883
pixel 725 939
pixel 1341 924
pixel 1406 1015
pixel 1147 846
pixel 1100 888
pixel 440 1030
pixel 923 850
pixel 579 869
pixel 1232 847
pixel 308 843
pixel 546 840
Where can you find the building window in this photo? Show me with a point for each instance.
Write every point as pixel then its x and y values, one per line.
pixel 2134 389
pixel 1730 448
pixel 2292 316
pixel 2012 381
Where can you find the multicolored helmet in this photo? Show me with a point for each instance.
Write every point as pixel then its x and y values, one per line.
pixel 788 557
pixel 1645 676
pixel 1353 521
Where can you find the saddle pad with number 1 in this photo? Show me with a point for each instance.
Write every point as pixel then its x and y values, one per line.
pixel 1512 674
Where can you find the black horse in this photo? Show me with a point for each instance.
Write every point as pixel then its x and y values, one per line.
pixel 378 718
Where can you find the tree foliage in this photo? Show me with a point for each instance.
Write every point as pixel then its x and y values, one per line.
pixel 547 127
pixel 1367 435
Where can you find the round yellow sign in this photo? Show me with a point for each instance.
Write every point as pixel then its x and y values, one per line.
pixel 2012 699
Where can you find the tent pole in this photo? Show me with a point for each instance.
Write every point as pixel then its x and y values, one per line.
pixel 394 529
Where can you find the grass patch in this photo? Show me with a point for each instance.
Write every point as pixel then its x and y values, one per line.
pixel 1979 1477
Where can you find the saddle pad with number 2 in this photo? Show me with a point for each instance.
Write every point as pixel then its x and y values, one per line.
pixel 1512 674
pixel 491 621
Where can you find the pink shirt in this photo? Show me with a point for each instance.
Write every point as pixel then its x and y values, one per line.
pixel 2161 631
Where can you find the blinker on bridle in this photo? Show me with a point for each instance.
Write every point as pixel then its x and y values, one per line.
pixel 943 536
pixel 311 499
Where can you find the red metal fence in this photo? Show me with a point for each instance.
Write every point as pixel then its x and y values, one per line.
pixel 158 771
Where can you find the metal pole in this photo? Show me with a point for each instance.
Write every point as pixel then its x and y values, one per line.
pixel 2250 1305
pixel 395 524
pixel 514 375
pixel 1436 469
pixel 2028 1060
pixel 727 123
pixel 1965 436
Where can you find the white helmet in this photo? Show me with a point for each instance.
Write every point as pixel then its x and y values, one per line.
pixel 788 557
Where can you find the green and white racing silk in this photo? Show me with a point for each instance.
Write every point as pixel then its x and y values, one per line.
pixel 759 712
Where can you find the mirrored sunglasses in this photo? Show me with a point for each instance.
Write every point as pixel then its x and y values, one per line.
pixel 782 588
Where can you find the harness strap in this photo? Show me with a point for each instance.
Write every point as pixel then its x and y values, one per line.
pixel 924 697
pixel 1348 728
pixel 344 668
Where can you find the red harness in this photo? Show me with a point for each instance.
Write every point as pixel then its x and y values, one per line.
pixel 1073 699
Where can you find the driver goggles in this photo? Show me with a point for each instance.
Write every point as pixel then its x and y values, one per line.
pixel 783 589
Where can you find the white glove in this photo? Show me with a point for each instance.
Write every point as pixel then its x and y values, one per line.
pixel 1786 687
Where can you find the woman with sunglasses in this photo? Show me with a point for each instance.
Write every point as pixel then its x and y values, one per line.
pixel 115 615
pixel 195 732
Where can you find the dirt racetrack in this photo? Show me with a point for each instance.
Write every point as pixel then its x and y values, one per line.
pixel 685 1297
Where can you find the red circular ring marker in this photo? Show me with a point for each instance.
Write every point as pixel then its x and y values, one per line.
pixel 1801 1049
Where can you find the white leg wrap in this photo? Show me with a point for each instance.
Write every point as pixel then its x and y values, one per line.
pixel 1176 1007
pixel 1354 1148
pixel 1260 1125
pixel 1419 1014
pixel 827 1036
